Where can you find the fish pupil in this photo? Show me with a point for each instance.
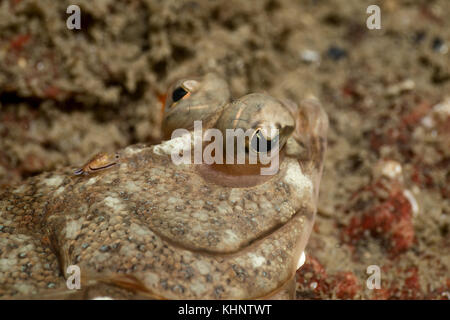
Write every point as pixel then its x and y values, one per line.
pixel 261 144
pixel 178 94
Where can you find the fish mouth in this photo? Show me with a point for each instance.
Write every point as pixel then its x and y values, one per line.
pixel 250 245
pixel 284 282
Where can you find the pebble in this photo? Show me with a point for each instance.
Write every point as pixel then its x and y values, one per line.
pixel 390 169
pixel 310 56
pixel 22 63
pixel 398 88
pixel 419 36
pixel 439 45
pixel 102 298
pixel 412 200
pixel 336 53
pixel 104 248
pixel 442 108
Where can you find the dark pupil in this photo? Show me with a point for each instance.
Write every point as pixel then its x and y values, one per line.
pixel 178 93
pixel 261 144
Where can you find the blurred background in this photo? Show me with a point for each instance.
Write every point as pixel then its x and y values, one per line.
pixel 68 94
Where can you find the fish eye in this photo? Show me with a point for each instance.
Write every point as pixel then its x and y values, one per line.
pixel 178 94
pixel 260 144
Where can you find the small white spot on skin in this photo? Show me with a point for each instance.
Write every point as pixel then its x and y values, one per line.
pixel 59 191
pixel 412 200
pixel 257 261
pixel 7 264
pixel 113 203
pixel 73 229
pixel 201 215
pixel 19 189
pixel 139 231
pixel 92 181
pixel 24 288
pixel 198 288
pixel 127 251
pixel 224 208
pixel 174 201
pixel 230 237
pixel 202 267
pixel 132 187
pixel 236 292
pixel 235 195
pixel 174 145
pixel 100 258
pixel 295 177
pixel 133 150
pixel 54 181
pixel 301 260
pixel 151 279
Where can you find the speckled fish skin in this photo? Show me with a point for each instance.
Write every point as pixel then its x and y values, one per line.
pixel 176 235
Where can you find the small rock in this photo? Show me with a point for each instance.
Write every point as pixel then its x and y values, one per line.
pixel 413 202
pixel 310 56
pixel 104 248
pixel 419 36
pixel 439 45
pixel 102 298
pixel 388 168
pixel 398 88
pixel 442 108
pixel 336 53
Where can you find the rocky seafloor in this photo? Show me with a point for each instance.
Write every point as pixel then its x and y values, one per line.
pixel 385 197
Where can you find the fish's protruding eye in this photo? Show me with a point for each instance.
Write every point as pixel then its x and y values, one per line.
pixel 259 143
pixel 178 94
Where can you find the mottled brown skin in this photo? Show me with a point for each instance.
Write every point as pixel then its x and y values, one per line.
pixel 146 228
